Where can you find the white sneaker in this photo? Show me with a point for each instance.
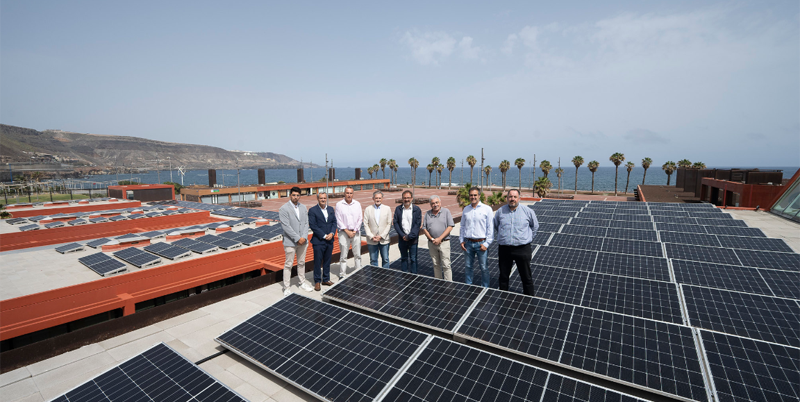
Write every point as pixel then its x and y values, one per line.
pixel 306 287
pixel 287 292
pixel 342 275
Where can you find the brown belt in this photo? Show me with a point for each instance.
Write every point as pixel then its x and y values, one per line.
pixel 476 240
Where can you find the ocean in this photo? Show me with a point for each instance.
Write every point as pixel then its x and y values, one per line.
pixel 603 178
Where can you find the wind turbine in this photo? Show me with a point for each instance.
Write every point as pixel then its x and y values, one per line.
pixel 182 171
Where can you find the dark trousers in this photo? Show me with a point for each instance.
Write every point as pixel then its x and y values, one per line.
pixel 508 255
pixel 408 255
pixel 322 262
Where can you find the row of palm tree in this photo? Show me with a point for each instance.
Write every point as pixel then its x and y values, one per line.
pixel 617 158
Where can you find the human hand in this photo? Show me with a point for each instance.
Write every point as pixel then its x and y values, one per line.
pixel 436 242
pixel 483 248
pixel 462 247
pixel 301 241
pixel 351 233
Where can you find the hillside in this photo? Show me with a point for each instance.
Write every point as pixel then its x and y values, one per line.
pixel 17 143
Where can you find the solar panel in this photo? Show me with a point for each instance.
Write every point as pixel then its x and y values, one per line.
pixel 69 248
pixel 553 219
pixel 782 283
pixel 585 230
pixel 228 235
pixel 696 239
pixel 560 388
pixel 152 214
pixel 577 241
pixel 634 247
pixel 52 225
pixel 594 215
pixel 16 221
pixel 28 228
pixel 155 234
pixel 418 299
pixel 633 296
pixel 248 240
pixel 225 244
pixel 631 225
pixel 769 259
pixel 117 218
pixel 745 369
pixel 700 253
pixel 78 222
pixel 565 258
pixel 98 242
pixel 674 227
pixel 102 264
pixel 352 356
pixel 196 246
pixel 649 354
pixel 721 222
pixel 531 326
pixel 560 284
pixel 632 234
pixel 136 216
pixel 720 276
pixel 680 220
pixel 635 266
pixel 168 251
pixel 734 231
pixel 544 227
pixel 770 319
pixel 99 219
pixel 158 374
pixel 591 222
pixel 137 257
pixel 755 243
pixel 628 217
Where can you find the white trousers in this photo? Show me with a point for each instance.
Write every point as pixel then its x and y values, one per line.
pixel 345 243
pixel 300 251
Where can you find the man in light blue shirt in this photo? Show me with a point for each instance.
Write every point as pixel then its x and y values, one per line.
pixel 515 227
pixel 476 235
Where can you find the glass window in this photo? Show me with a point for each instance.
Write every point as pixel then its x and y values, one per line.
pixel 788 205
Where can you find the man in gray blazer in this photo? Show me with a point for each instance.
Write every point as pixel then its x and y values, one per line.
pixel 294 222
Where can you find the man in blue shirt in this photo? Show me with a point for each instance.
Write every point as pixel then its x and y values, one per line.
pixel 515 228
pixel 476 235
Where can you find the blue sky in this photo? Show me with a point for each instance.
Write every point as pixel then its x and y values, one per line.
pixel 712 81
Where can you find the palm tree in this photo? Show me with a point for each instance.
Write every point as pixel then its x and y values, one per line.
pixel 488 171
pixel 628 166
pixel 617 158
pixel 646 162
pixel 542 186
pixel 369 170
pixel 699 165
pixel 577 161
pixel 439 170
pixel 396 166
pixel 430 172
pixel 684 163
pixel 504 166
pixel 392 168
pixel 669 168
pixel 520 163
pixel 375 169
pixel 383 163
pixel 451 164
pixel 414 165
pixel 593 168
pixel 559 172
pixel 472 162
pixel 546 166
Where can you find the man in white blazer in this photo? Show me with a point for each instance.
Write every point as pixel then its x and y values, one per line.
pixel 294 222
pixel 377 223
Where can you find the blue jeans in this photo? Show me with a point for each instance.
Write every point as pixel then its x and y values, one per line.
pixel 474 249
pixel 408 256
pixel 374 249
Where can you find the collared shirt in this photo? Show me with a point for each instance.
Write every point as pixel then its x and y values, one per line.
pixel 296 210
pixel 476 223
pixel 437 224
pixel 324 212
pixel 349 216
pixel 517 227
pixel 408 215
pixel 377 213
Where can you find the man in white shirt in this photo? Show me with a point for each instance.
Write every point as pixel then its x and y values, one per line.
pixel 349 218
pixel 377 223
pixel 407 221
pixel 294 222
pixel 476 234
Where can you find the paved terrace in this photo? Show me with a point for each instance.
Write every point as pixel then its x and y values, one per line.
pixel 192 335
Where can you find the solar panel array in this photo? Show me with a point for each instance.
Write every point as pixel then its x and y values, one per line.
pixel 234 212
pixel 102 264
pixel 136 257
pixel 353 357
pixel 83 218
pixel 157 374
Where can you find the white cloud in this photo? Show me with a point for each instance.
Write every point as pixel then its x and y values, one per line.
pixel 430 47
pixel 508 46
pixel 467 50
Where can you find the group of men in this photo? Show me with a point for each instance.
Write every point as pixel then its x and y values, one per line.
pixel 514 229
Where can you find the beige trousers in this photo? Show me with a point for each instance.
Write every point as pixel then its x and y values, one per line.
pixel 301 264
pixel 441 260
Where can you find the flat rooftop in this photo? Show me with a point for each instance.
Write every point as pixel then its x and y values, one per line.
pixel 192 335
